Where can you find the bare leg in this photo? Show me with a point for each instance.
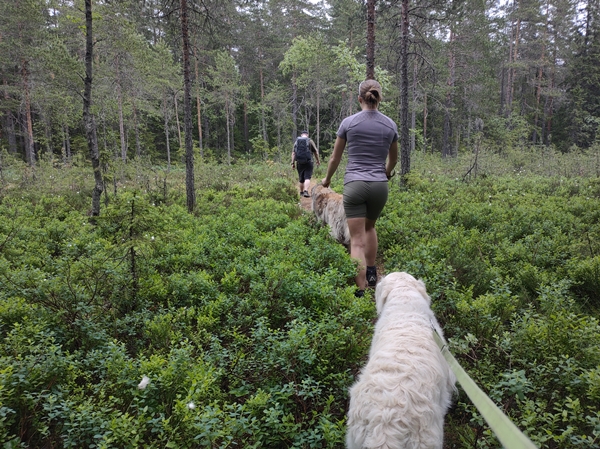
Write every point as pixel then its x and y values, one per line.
pixel 371 242
pixel 306 185
pixel 358 242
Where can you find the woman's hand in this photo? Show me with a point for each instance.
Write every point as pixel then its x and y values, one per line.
pixel 392 161
pixel 326 182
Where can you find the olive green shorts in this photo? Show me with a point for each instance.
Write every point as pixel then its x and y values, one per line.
pixel 365 199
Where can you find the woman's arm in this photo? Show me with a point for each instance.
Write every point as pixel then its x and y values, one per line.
pixel 334 160
pixel 392 159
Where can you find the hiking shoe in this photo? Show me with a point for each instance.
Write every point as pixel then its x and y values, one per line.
pixel 359 293
pixel 372 276
pixel 305 194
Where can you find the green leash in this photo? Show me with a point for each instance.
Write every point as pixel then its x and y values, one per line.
pixel 509 435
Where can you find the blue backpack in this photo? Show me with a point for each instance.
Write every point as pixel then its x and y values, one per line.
pixel 303 153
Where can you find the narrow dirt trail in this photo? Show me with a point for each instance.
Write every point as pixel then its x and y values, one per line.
pixel 306 203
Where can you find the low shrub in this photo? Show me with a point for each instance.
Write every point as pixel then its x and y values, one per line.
pixel 237 325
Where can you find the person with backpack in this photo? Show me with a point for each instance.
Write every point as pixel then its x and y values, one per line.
pixel 372 142
pixel 302 158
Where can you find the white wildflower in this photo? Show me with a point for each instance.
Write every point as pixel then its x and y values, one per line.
pixel 144 383
pixel 191 405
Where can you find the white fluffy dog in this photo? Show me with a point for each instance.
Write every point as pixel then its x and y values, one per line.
pixel 404 391
pixel 328 207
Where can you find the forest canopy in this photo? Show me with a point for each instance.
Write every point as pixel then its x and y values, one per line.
pixel 525 72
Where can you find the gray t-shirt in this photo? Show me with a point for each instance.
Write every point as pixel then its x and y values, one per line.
pixel 368 136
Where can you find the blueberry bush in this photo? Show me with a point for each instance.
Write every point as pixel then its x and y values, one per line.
pixel 237 326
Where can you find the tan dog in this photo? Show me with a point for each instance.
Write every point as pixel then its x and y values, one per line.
pixel 328 207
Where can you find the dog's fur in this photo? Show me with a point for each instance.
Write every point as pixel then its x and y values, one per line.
pixel 404 391
pixel 328 207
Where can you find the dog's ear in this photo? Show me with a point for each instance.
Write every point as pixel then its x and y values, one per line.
pixel 419 285
pixel 382 291
pixel 423 290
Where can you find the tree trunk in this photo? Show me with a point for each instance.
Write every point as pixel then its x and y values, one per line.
pixel 175 102
pixel 507 71
pixel 206 125
pixel 318 119
pixel 425 113
pixel 263 119
pixel 122 139
pixel 227 131
pixel 12 136
pixel 138 146
pixel 166 126
pixel 67 143
pixel 29 142
pixel 187 111
pixel 121 123
pixel 246 127
pixel 502 91
pixel 48 135
pixel 198 103
pixel 88 118
pixel 447 138
pixel 513 58
pixel 548 112
pixel 540 75
pixel 232 109
pixel 370 39
pixel 404 139
pixel 413 116
pixel 294 105
pixel 279 141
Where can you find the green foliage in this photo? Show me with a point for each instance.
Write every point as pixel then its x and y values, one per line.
pixel 511 264
pixel 304 58
pixel 585 273
pixel 242 315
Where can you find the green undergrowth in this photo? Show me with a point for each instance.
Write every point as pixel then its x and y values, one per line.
pixel 242 315
pixel 513 268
